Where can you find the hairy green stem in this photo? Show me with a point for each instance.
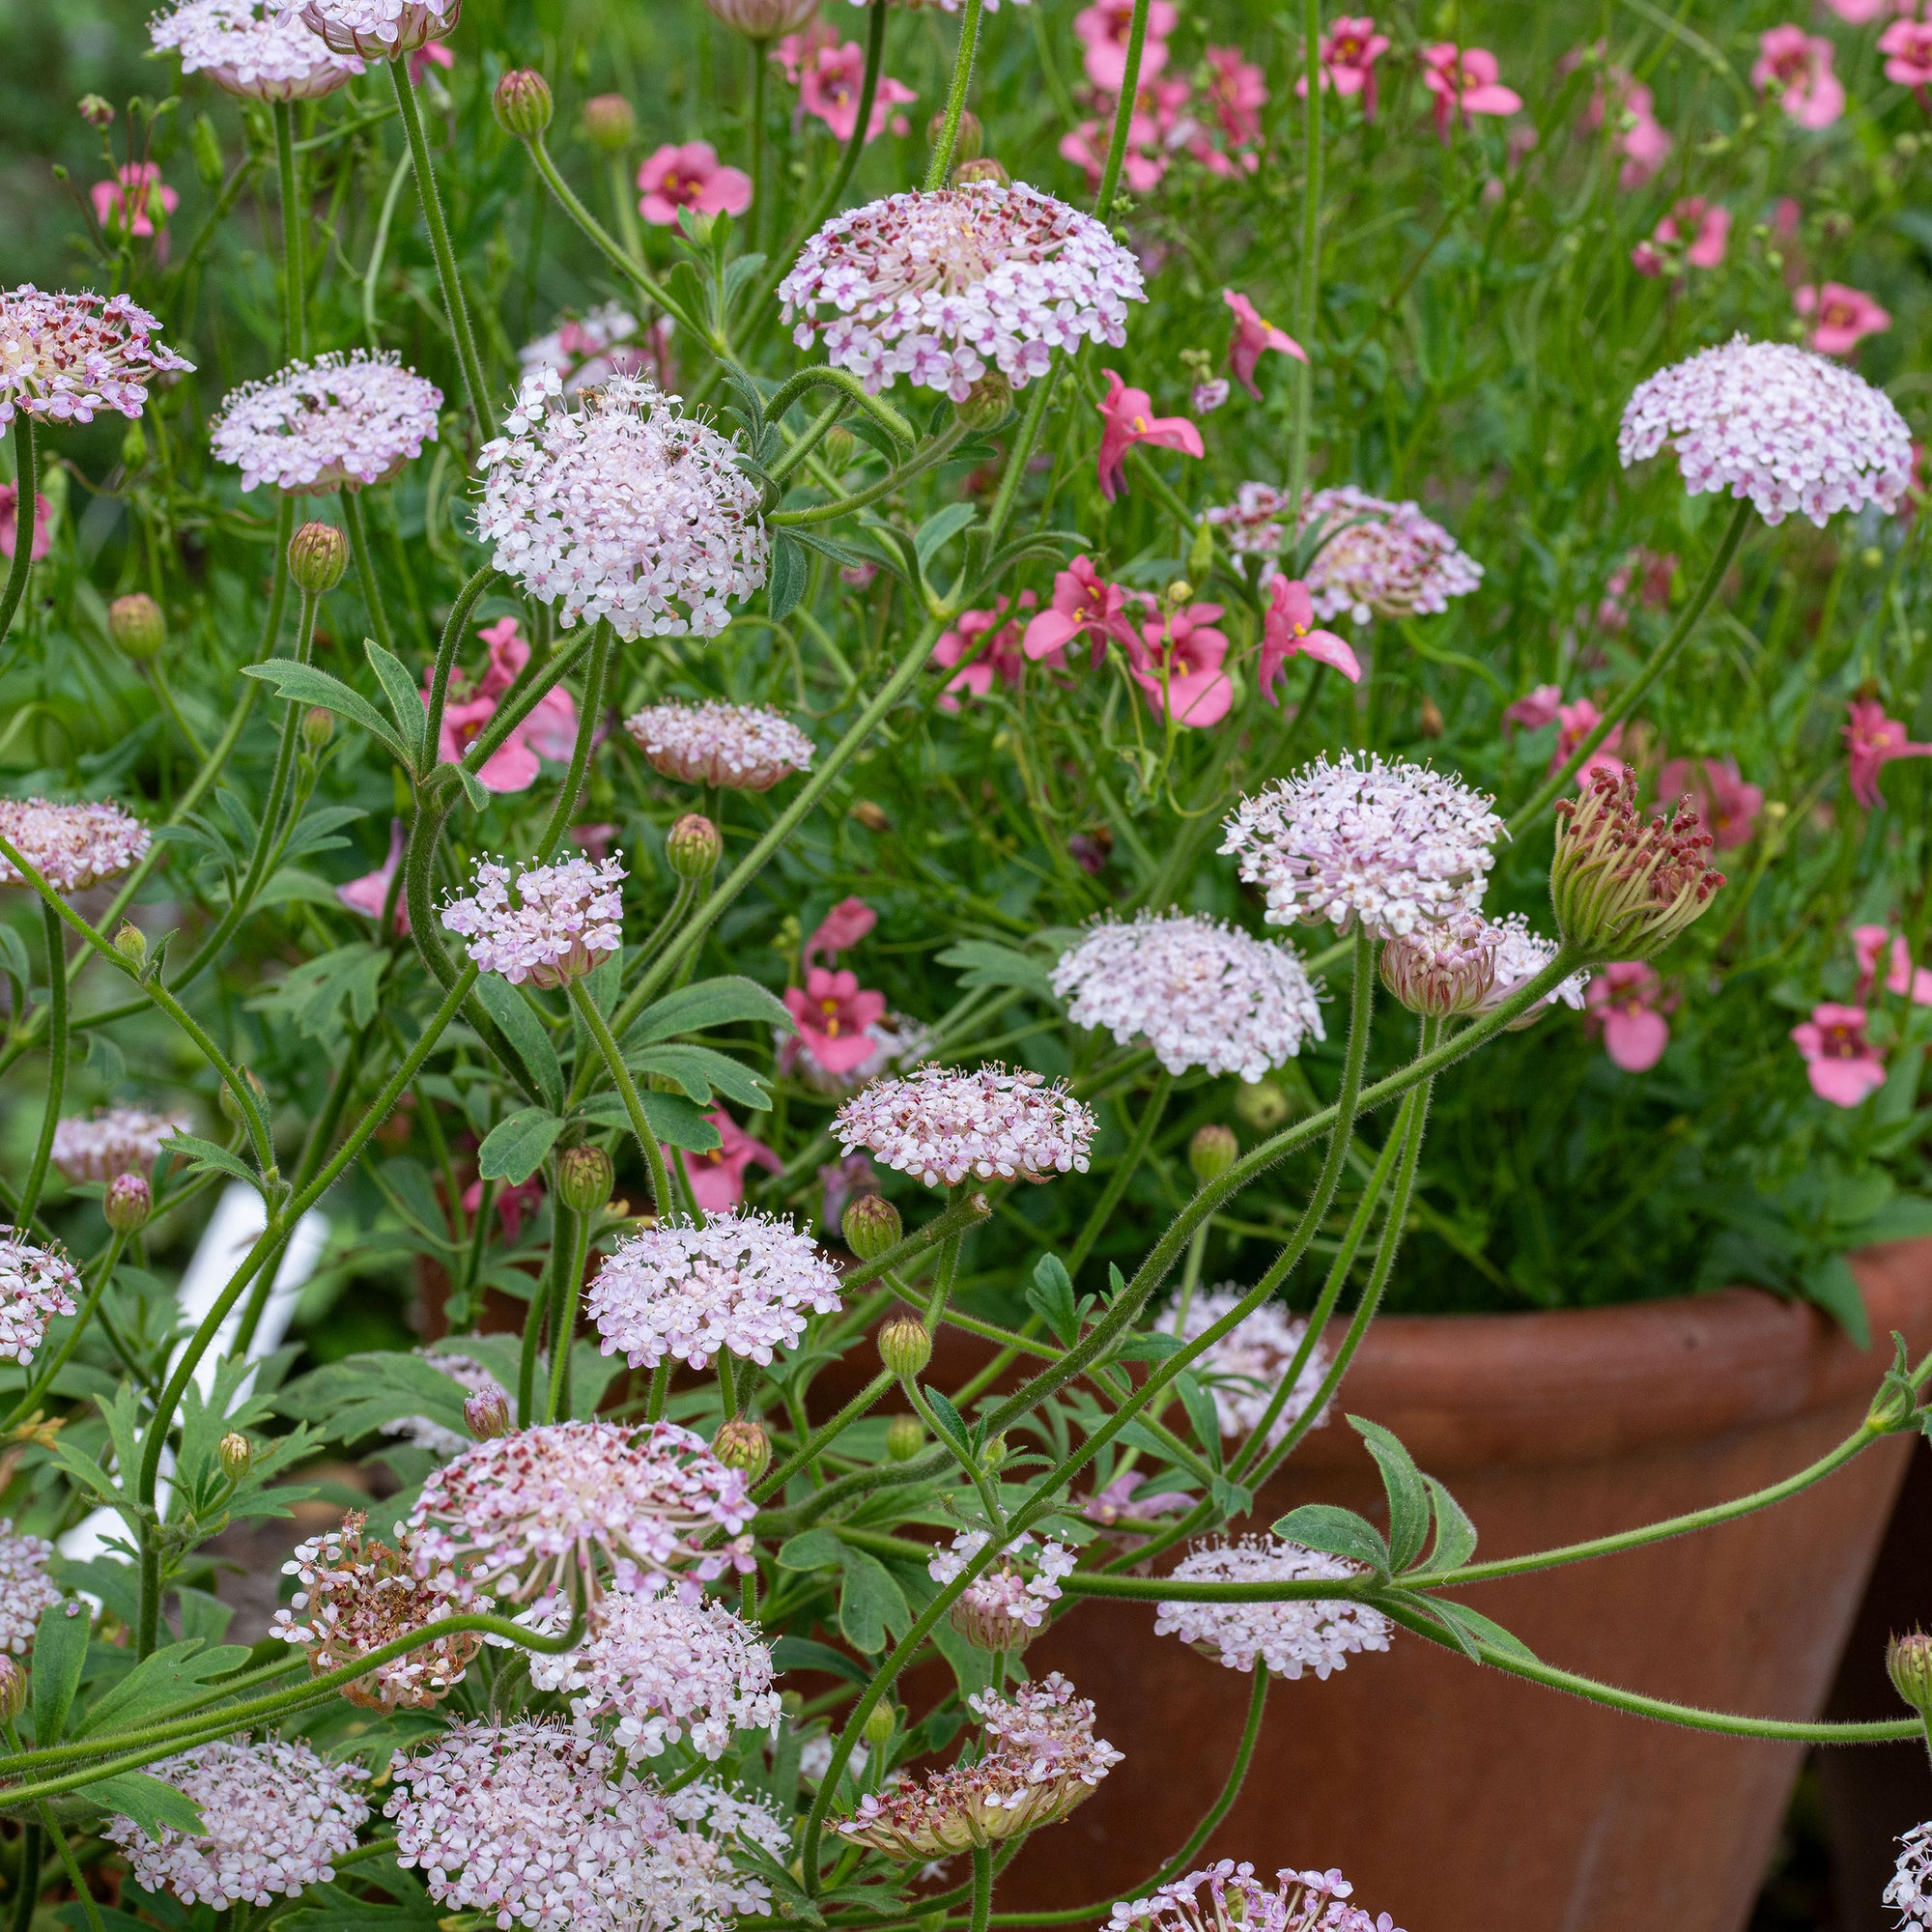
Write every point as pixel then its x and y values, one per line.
pixel 564 1321
pixel 627 1089
pixel 941 164
pixel 1124 113
pixel 592 708
pixel 358 524
pixel 57 1044
pixel 295 291
pixel 1124 1171
pixel 26 477
pixel 982 1859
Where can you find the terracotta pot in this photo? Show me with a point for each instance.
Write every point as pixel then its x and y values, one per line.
pixel 1460 1800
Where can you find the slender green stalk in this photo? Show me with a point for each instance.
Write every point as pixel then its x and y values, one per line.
pixel 1124 1171
pixel 815 1445
pixel 26 477
pixel 27 1895
pixel 454 632
pixel 930 458
pixel 1123 112
pixel 1014 472
pixel 627 1089
pixel 454 306
pixel 295 291
pixel 57 1044
pixel 356 524
pixel 1309 291
pixel 941 164
pixel 512 712
pixel 982 1859
pixel 564 1327
pixel 1627 701
pixel 36 1390
pixel 761 60
pixel 380 248
pixel 588 713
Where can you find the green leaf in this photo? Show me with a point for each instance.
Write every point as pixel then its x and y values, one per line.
pixel 950 1421
pixel 1200 1414
pixel 1455 1533
pixel 939 530
pixel 1408 1497
pixel 59 1650
pixel 304 684
pixel 802 1653
pixel 399 690
pixel 149 1800
pixel 1482 1630
pixel 312 994
pixel 526 1033
pixel 791 570
pixel 1051 1297
pixel 810 1550
pixel 167 1677
pixel 13 955
pixel 710 1003
pixel 1834 1288
pixel 1338 1531
pixel 1146 1349
pixel 872 1605
pixel 672 1119
pixel 699 1069
pixel 1233 1500
pixel 349 1399
pixel 515 1146
pixel 196 1154
pixel 473 787
pixel 980 963
pixel 840 553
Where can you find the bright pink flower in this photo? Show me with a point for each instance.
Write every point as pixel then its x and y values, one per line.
pixel 1645 142
pixel 1862 13
pixel 1288 631
pixel 1535 710
pixel 833 1014
pixel 1254 337
pixel 432 53
pixel 1127 419
pixel 1845 317
pixel 10 524
pixel 1463 82
pixel 830 84
pixel 1574 724
pixel 550 730
pixel 1872 943
pixel 1239 94
pixel 1703 228
pixel 1872 740
pixel 796 52
pixel 513 1203
pixel 1349 50
pixel 1143 170
pixel 691 176
pixel 1084 604
pixel 136 201
pixel 1799 66
pixel 1907 45
pixel 1179 667
pixel 1842 1064
pixel 369 894
pixel 718 1178
pixel 840 929
pixel 1000 655
pixel 1625 1005
pixel 1102 30
pixel 1724 801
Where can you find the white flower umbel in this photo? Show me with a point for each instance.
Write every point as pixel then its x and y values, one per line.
pixel 943 1124
pixel 1521 956
pixel 742 747
pixel 315 426
pixel 1245 1367
pixel 113 1140
pixel 1909 1892
pixel 1287 1637
pixel 36 1283
pixel 544 923
pixel 623 509
pixel 64 357
pixel 603 341
pixel 940 287
pixel 743 1282
pixel 72 846
pixel 251 48
pixel 1201 993
pixel 1393 845
pixel 1797 434
pixel 25 1587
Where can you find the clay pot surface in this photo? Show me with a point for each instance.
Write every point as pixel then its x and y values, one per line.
pixel 1462 1800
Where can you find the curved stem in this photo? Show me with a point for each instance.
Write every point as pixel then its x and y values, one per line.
pixel 1553 786
pixel 580 753
pixel 1124 1171
pixel 627 1089
pixel 26 477
pixel 815 1445
pixel 381 248
pixel 934 453
pixel 563 1326
pixel 358 526
pixel 821 376
pixel 1311 253
pixel 1014 472
pixel 295 294
pixel 941 163
pixel 57 1041
pixel 490 740
pixel 1123 112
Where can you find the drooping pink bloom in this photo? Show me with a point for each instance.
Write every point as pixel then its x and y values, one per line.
pixel 830 84
pixel 1464 81
pixel 1907 45
pixel 718 1178
pixel 1872 740
pixel 1842 1065
pixel 1254 337
pixel 1288 631
pixel 1102 31
pixel 1701 229
pixel 549 731
pixel 1845 317
pixel 513 1202
pixel 1179 667
pixel 1574 724
pixel 833 1012
pixel 691 176
pixel 136 201
pixel 1625 1002
pixel 1127 419
pixel 1723 800
pixel 1349 50
pixel 369 894
pixel 1084 604
pixel 1872 943
pixel 1799 66
pixel 432 53
pixel 1239 94
pixel 1535 709
pixel 42 539
pixel 840 929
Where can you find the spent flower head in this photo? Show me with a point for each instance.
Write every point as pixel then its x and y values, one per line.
pixel 1382 559
pixel 36 1283
pixel 741 747
pixel 544 923
pixel 1005 1606
pixel 943 1124
pixel 1623 886
pixel 62 357
pixel 253 49
pixel 112 1141
pixel 339 420
pixel 1287 1637
pixel 72 846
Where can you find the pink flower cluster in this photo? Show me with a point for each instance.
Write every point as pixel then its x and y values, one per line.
pixel 829 75
pixel 1693 235
pixel 1382 559
pixel 548 731
pixel 986 645
pixel 608 340
pixel 135 204
pixel 113 1141
pixel 72 846
pixel 26 1590
pixel 1841 317
pixel 1301 1901
pixel 741 747
pixel 248 48
pixel 64 356
pixel 564 920
pixel 943 1124
pixel 317 426
pixel 1288 1636
pixel 1794 69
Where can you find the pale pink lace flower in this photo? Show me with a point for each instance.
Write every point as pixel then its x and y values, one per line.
pixel 831 78
pixel 1245 1367
pixel 1626 1004
pixel 1042 1760
pixel 1841 1060
pixel 1724 801
pixel 1127 421
pixel 136 201
pixel 1253 522
pixel 1382 559
pixel 717 1176
pixel 64 356
pixel 1102 30
pixel 1907 45
pixel 316 426
pixel 276 1817
pixel 1443 969
pixel 675 178
pixel 942 1124
pixel 742 747
pixel 1003 1606
pixel 1872 741
pixel 546 1511
pixel 1841 317
pixel 622 509
pixel 34 1284
pixel 564 919
pixel 26 1590
pixel 603 341
pixel 1393 845
pixel 113 1140
pixel 377 29
pixel 1464 81
pixel 1774 423
pixel 1349 52
pixel 251 48
pixel 1911 1887
pixel 942 287
pixel 1227 1897
pixel 1795 67
pixel 1201 993
pixel 1521 955
pixel 1290 1637
pixel 1873 944
pixel 761 20
pixel 743 1282
pixel 72 846
pixel 670 1671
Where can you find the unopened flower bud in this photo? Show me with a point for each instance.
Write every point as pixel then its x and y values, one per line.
pixel 1623 887
pixel 694 846
pixel 608 123
pixel 968 138
pixel 906 1345
pixel 131 943
pixel 1180 593
pixel 486 1414
pixel 742 1444
pixel 584 1178
pixel 98 114
pixel 993 1455
pixel 135 625
pixel 318 556
pixel 234 1453
pixel 1212 1152
pixel 983 1615
pixel 871 1225
pixel 206 143
pixel 133 446
pixel 318 728
pixel 905 1438
pixel 13 1689
pixel 231 1107
pixel 522 103
pixel 127 1203
pixel 881 1722
pixel 1908 1661
pixel 985 168
pixel 986 402
pixel 1261 1106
